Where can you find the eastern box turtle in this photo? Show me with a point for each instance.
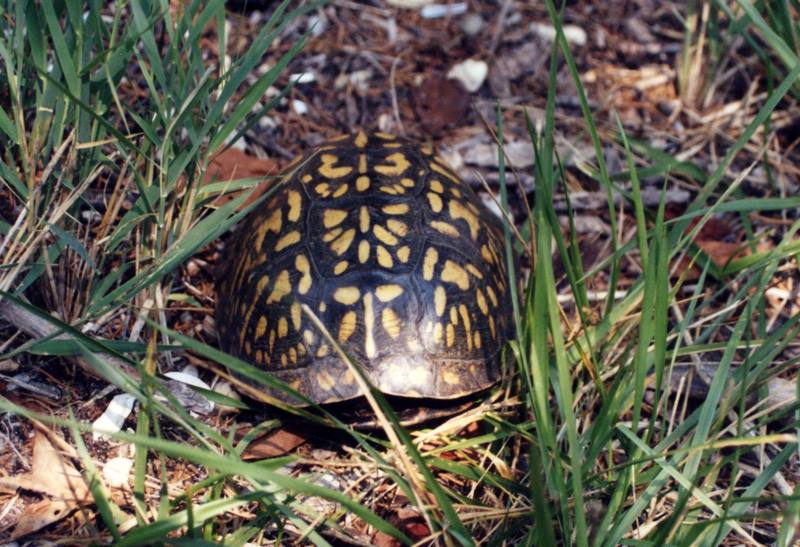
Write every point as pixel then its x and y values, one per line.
pixel 401 262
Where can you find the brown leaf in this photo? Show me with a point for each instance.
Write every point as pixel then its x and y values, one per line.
pixel 382 539
pixel 440 102
pixel 277 443
pixel 53 476
pixel 40 514
pixel 410 522
pixel 232 164
pixel 721 252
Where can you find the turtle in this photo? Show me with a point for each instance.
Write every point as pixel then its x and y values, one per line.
pixel 401 262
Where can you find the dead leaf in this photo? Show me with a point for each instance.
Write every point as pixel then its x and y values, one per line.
pixel 233 164
pixel 440 102
pixel 722 253
pixel 276 443
pixel 382 539
pixel 50 474
pixel 40 514
pixel 407 520
pixel 54 477
pixel 412 523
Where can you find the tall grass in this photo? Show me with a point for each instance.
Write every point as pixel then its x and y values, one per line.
pixel 589 443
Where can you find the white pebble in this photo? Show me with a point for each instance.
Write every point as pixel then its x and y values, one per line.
pixel 409 4
pixel 299 106
pixel 116 471
pixel 470 73
pixel 303 77
pixel 437 11
pixel 574 34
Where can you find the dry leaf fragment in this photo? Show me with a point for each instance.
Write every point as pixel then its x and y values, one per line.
pixel 277 443
pixel 233 164
pixel 54 477
pixel 40 514
pixel 722 253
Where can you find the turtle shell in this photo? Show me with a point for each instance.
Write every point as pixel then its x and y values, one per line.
pixel 400 261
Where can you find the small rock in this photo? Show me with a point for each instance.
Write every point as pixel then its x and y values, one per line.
pixel 318 24
pixel 8 365
pixel 437 11
pixel 267 122
pixel 518 153
pixel 409 4
pixel 472 24
pixel 574 34
pixel 358 78
pixel 651 196
pixel 299 107
pixel 638 30
pixel 303 77
pixel 470 73
pixel 116 471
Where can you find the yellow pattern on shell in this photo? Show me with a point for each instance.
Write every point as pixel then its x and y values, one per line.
pixel 283 327
pixel 403 253
pixel 342 243
pixel 363 251
pixel 391 323
pixel 465 319
pixel 301 265
pixel 291 238
pixel 453 273
pixel 340 191
pixel 397 166
pixel 333 217
pixel 261 327
pixel 363 219
pixel 384 258
pixel 369 326
pixel 442 171
pixel 445 228
pixel 435 202
pixel 296 314
pixel 328 168
pixel 347 326
pixel 384 235
pixel 428 264
pixel 347 295
pixel 458 211
pixel 295 205
pixel 325 380
pixel 398 227
pixel 387 293
pixel 396 209
pixel 340 267
pixel 281 288
pixel 439 299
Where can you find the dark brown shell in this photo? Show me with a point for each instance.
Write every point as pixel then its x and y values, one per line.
pixel 401 262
